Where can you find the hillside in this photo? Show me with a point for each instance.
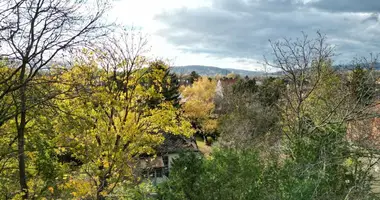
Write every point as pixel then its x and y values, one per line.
pixel 212 71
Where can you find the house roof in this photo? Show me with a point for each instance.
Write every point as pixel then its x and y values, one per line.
pixel 172 144
pixel 177 143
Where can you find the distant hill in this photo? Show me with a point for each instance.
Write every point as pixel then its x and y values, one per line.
pixel 351 66
pixel 212 71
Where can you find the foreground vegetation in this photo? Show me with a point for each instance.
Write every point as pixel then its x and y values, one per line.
pixel 80 104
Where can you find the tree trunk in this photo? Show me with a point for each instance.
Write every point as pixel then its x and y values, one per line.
pixel 103 184
pixel 21 135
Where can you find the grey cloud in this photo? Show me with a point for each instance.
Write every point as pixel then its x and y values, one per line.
pixel 373 18
pixel 253 5
pixel 347 5
pixel 242 29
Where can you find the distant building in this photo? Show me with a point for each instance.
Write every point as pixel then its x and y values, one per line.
pixel 221 85
pixel 157 168
pixel 366 132
pixel 219 89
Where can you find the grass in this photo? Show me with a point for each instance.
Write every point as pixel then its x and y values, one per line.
pixel 203 148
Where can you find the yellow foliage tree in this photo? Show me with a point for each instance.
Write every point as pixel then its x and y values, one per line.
pixel 199 104
pixel 109 123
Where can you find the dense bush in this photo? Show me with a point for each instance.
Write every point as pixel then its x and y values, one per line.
pixel 321 167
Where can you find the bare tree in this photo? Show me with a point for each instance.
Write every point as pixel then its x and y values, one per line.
pixel 320 96
pixel 301 62
pixel 32 34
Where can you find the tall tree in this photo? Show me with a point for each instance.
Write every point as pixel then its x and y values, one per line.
pixel 37 31
pixel 117 122
pixel 316 111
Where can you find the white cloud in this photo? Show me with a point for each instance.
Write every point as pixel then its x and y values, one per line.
pixel 235 33
pixel 141 14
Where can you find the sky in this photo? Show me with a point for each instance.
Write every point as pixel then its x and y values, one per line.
pixel 236 33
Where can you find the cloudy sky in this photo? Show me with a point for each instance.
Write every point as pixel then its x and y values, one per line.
pixel 235 33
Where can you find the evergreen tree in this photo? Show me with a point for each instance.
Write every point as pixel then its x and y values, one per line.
pixel 168 83
pixel 362 88
pixel 194 76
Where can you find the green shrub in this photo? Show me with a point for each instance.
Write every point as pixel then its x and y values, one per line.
pixel 321 166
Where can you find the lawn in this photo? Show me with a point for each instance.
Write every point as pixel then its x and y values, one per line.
pixel 205 149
